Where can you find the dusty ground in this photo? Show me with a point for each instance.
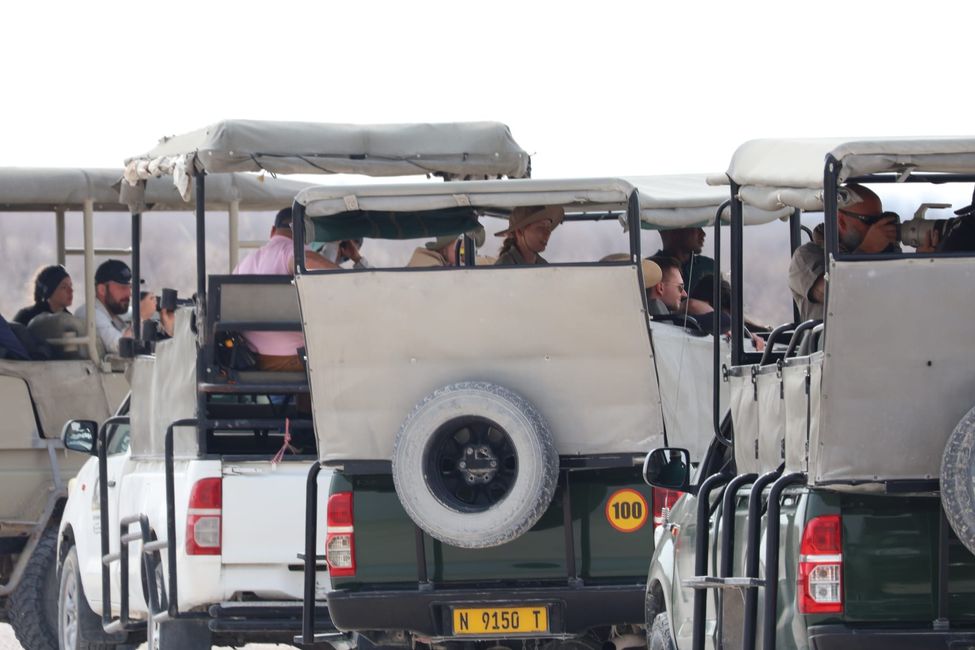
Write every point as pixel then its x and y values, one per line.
pixel 9 642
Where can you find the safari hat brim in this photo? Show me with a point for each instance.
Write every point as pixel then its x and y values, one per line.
pixel 524 216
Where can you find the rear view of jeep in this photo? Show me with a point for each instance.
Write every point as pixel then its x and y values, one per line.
pixel 486 424
pixel 834 509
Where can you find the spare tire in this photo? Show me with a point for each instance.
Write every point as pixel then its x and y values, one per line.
pixel 474 465
pixel 958 480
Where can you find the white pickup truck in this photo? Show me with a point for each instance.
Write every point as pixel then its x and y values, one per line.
pixel 237 515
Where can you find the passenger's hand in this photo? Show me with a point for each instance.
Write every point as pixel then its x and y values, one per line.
pixel 147 306
pixel 879 236
pixel 931 241
pixel 349 249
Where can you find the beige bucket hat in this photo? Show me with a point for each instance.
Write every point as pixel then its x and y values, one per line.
pixel 652 273
pixel 523 216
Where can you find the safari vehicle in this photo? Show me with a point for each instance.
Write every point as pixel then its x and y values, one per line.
pixel 833 510
pixel 188 528
pixel 37 397
pixel 485 425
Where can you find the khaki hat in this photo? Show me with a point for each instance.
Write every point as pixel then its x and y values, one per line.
pixel 477 235
pixel 523 216
pixel 652 274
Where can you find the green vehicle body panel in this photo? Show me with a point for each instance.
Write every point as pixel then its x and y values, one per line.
pixel 890 564
pixel 386 552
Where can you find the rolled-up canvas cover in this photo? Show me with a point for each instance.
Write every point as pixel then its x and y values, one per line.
pixel 777 173
pixel 453 150
pixel 30 189
pixel 677 201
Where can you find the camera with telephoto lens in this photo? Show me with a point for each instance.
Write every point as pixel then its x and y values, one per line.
pixel 915 232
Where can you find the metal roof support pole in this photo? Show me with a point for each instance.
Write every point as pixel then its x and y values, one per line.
pixel 91 333
pixel 233 235
pixel 737 275
pixel 830 213
pixel 136 275
pixel 716 328
pixel 201 302
pixel 795 240
pixel 298 232
pixel 59 234
pixel 201 248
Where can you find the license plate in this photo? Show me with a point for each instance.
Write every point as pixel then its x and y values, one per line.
pixel 500 620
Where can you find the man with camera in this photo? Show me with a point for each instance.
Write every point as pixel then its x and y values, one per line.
pixel 863 227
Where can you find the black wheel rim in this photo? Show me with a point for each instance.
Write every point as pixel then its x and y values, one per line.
pixel 470 464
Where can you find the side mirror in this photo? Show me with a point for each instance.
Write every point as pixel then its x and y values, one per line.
pixel 668 468
pixel 80 435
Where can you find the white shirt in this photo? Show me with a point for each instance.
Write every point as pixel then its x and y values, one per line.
pixel 109 327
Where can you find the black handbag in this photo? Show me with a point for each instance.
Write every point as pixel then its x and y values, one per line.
pixel 233 355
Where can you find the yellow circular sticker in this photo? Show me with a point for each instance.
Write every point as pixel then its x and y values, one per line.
pixel 627 510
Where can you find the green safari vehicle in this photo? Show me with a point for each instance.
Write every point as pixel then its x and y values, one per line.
pixel 834 507
pixel 486 424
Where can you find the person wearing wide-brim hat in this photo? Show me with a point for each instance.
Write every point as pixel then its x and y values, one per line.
pixel 527 234
pixel 444 250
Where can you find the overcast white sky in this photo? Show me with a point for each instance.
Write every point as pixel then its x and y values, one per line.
pixel 596 89
pixel 590 89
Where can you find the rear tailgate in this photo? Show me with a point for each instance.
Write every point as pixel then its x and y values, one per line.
pixel 609 548
pixel 890 562
pixel 264 512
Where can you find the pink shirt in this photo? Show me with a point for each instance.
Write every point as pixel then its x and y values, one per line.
pixel 273 258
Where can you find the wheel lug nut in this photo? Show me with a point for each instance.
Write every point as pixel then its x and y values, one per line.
pixel 494 463
pixel 462 465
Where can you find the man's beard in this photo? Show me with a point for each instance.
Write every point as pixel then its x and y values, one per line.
pixel 850 239
pixel 115 306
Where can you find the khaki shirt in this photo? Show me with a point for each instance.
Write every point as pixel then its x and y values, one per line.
pixel 513 258
pixel 807 265
pixel 424 257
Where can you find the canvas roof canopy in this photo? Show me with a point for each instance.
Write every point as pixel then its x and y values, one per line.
pixel 28 189
pixel 777 173
pixel 407 211
pixel 452 150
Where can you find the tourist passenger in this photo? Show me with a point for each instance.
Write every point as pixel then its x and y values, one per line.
pixel 11 347
pixel 685 246
pixel 527 234
pixel 700 304
pixel 340 252
pixel 442 251
pixel 446 250
pixel 53 293
pixel 670 289
pixel 862 227
pixel 113 293
pixel 278 351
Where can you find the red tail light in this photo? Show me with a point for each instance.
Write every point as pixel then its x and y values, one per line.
pixel 204 518
pixel 663 498
pixel 820 580
pixel 340 540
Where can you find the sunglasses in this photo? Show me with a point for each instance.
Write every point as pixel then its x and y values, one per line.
pixel 868 219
